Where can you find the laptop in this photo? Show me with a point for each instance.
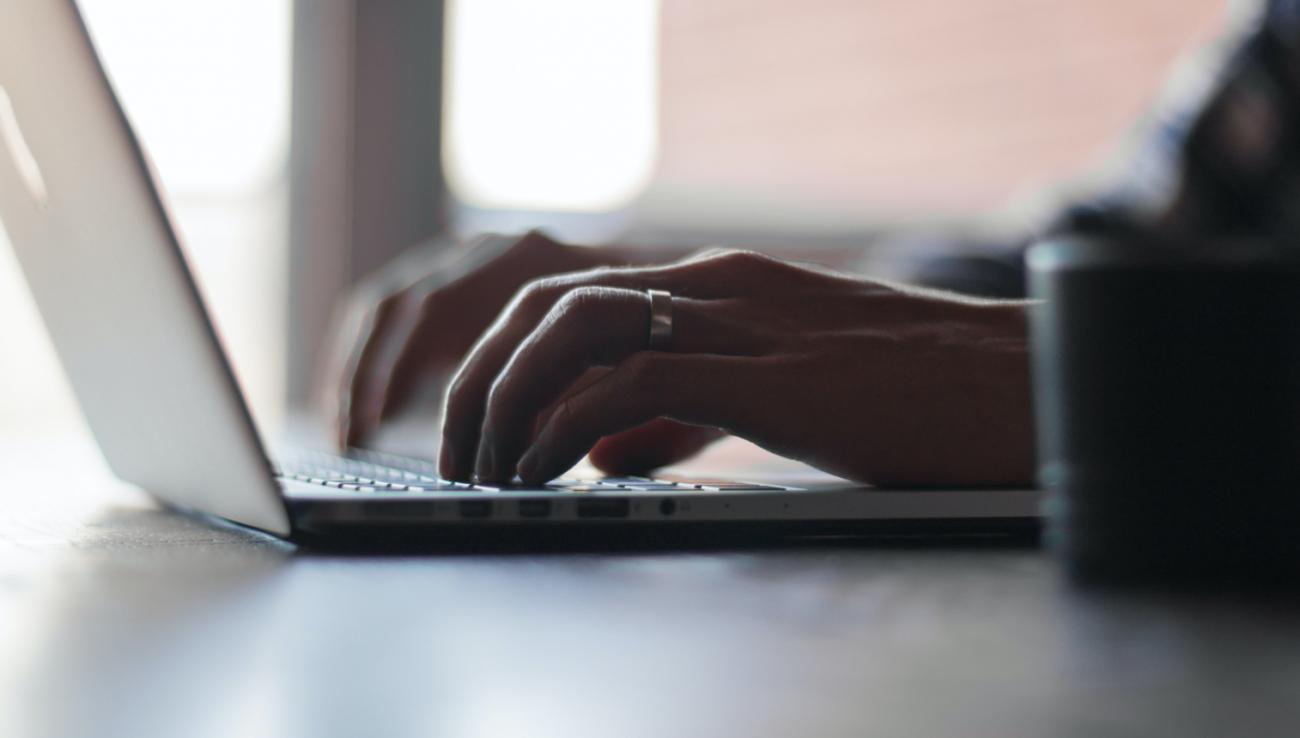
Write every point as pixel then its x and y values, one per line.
pixel 93 237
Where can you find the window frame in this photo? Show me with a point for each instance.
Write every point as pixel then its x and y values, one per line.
pixel 366 175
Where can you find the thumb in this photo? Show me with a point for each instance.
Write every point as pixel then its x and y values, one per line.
pixel 657 443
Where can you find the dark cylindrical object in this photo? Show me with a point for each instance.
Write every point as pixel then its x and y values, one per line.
pixel 1167 400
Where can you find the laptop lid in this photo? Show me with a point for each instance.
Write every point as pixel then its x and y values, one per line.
pixel 92 235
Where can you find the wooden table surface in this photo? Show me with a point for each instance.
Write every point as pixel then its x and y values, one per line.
pixel 118 619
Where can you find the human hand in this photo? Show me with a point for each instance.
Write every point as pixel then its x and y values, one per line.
pixel 413 321
pixel 863 379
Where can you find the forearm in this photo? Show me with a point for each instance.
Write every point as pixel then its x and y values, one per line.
pixel 960 398
pixel 1006 433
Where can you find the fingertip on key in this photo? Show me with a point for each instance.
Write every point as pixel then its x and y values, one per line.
pixel 485 464
pixel 357 431
pixel 529 466
pixel 447 467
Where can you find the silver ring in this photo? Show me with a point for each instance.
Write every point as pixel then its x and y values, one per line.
pixel 661 320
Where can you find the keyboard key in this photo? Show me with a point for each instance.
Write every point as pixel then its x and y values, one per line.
pixel 654 487
pixel 436 487
pixel 364 471
pixel 737 487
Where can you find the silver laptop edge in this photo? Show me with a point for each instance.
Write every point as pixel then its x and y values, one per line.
pixel 105 266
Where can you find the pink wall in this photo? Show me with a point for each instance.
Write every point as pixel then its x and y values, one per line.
pixel 907 105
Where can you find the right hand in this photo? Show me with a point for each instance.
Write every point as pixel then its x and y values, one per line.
pixel 413 322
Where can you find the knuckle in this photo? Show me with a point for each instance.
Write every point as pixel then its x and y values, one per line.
pixel 743 259
pixel 535 238
pixel 731 261
pixel 562 416
pixel 580 303
pixel 536 296
pixel 532 290
pixel 497 395
pixel 369 290
pixel 396 306
pixel 456 389
pixel 384 306
pixel 428 300
pixel 712 252
pixel 393 297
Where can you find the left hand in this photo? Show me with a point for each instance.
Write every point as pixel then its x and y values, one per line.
pixel 413 321
pixel 870 381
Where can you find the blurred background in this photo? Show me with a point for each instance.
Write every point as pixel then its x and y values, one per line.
pixel 303 144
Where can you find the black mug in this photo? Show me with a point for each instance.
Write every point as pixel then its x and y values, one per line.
pixel 1167 408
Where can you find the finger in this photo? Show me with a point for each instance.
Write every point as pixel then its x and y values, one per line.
pixel 589 327
pixel 335 375
pixel 412 361
pixel 365 319
pixel 355 377
pixel 651 446
pixel 588 378
pixel 699 389
pixel 457 309
pixel 406 283
pixel 466 400
pixel 395 318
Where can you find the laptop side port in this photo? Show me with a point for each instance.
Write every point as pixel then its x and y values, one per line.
pixel 534 508
pixel 475 509
pixel 603 507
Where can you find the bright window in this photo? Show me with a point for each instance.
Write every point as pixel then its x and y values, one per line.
pixel 206 84
pixel 745 112
pixel 551 105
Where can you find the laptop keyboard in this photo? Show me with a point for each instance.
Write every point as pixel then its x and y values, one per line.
pixel 376 472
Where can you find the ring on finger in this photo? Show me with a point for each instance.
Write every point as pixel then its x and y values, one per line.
pixel 661 320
